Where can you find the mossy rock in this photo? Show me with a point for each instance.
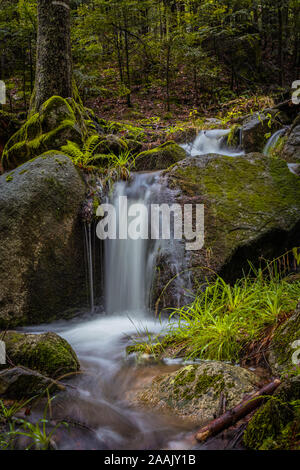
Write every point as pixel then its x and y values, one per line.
pixel 276 425
pixel 58 121
pixel 46 353
pixel 251 212
pixel 41 241
pixel 255 131
pixel 112 144
pixel 160 158
pixel 195 391
pixel 284 345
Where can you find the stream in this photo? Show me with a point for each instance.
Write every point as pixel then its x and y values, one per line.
pixel 97 401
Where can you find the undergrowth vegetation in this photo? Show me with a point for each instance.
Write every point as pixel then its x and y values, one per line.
pixel 223 319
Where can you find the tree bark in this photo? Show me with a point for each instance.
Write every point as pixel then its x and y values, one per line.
pixel 54 61
pixel 233 416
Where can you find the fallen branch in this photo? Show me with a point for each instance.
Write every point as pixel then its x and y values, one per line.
pixel 233 416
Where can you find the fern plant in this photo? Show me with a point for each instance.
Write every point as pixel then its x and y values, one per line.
pixel 85 156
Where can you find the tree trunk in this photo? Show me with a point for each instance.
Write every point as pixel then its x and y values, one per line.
pixel 54 61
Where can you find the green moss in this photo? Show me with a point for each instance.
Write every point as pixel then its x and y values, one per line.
pixel 185 376
pixel 49 354
pixel 205 382
pixel 48 130
pixel 160 157
pixel 270 422
pixel 283 339
pixel 241 191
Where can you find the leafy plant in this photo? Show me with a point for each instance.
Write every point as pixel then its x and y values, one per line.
pixel 85 156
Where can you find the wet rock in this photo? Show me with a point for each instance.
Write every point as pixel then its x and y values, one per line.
pixel 196 392
pixel 284 345
pixel 58 121
pixel 20 382
pixel 291 149
pixel 276 425
pixel 47 353
pixel 160 158
pixel 251 210
pixel 41 245
pixel 255 131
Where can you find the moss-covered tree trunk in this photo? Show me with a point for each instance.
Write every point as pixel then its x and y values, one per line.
pixel 54 61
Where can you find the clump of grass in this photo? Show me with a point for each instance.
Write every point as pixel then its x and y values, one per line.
pixel 223 319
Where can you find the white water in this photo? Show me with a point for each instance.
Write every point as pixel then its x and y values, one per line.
pixel 273 141
pixel 89 261
pixel 211 141
pixel 129 264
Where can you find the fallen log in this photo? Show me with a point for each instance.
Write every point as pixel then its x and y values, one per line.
pixel 235 414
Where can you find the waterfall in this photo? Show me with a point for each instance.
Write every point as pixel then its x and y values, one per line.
pixel 211 141
pixel 89 261
pixel 273 141
pixel 129 264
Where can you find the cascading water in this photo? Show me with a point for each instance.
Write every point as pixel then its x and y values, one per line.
pixel 271 144
pixel 211 141
pixel 129 264
pixel 273 141
pixel 89 262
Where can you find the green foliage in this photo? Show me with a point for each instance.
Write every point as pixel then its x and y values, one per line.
pixel 85 156
pixel 39 435
pixel 224 319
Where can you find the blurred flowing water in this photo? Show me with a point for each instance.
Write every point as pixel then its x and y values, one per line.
pixel 211 141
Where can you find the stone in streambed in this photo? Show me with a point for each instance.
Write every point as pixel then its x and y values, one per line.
pixel 255 131
pixel 19 382
pixel 46 353
pixel 195 391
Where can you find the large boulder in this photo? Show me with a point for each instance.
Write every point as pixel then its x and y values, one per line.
pixel 256 130
pixel 19 383
pixel 47 353
pixel 41 246
pixel 60 120
pixel 252 210
pixel 291 149
pixel 285 344
pixel 160 158
pixel 196 391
